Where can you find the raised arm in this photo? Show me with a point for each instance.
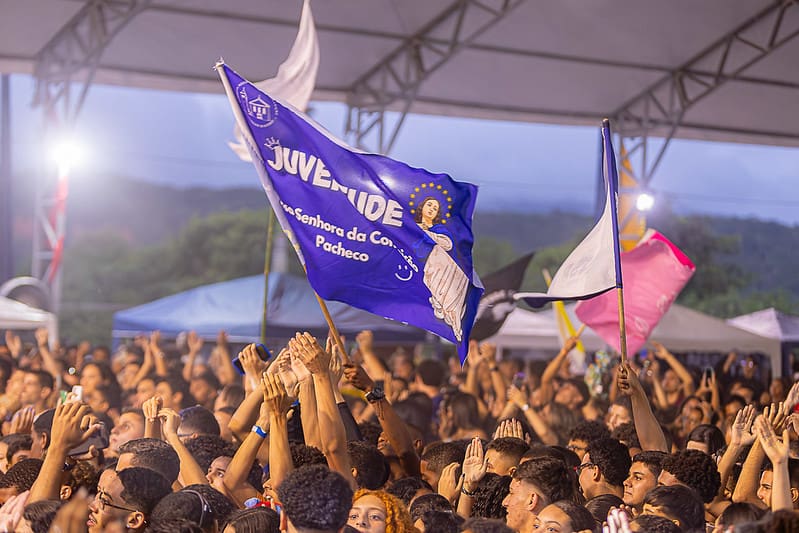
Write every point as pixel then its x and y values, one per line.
pixel 371 362
pixel 545 391
pixel 190 471
pixel 740 436
pixel 334 435
pixel 777 452
pixel 649 432
pixel 395 429
pixel 749 480
pixel 227 373
pixel 685 377
pixel 158 354
pixel 195 345
pixel 72 425
pixel 277 399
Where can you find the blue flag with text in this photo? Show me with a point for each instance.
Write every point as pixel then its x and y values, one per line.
pixel 371 232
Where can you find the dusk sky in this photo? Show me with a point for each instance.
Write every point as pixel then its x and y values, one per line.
pixel 179 139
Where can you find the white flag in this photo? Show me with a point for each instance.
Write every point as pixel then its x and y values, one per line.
pixel 296 77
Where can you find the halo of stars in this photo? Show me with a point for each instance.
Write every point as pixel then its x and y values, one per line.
pixel 437 191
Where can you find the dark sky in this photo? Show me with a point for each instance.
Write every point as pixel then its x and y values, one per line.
pixel 179 139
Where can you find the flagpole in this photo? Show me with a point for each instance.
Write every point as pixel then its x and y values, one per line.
pixel 609 166
pixel 270 231
pixel 333 330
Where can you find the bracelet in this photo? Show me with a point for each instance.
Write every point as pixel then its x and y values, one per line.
pixel 525 407
pixel 493 368
pixel 258 430
pixel 466 492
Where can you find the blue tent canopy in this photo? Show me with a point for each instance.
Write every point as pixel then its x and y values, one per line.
pixel 236 306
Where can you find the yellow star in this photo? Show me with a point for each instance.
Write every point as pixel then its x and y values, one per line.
pixel 438 187
pixel 413 195
pixel 431 183
pixel 416 189
pixel 424 185
pixel 445 191
pixel 410 203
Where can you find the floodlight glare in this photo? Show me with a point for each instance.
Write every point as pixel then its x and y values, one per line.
pixel 645 202
pixel 66 153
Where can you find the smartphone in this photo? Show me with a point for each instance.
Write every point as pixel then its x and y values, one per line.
pixel 77 392
pixel 99 440
pixel 263 353
pixel 519 379
pixel 707 373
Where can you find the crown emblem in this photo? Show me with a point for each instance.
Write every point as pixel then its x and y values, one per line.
pixel 272 143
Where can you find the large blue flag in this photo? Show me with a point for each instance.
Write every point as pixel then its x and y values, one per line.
pixel 371 232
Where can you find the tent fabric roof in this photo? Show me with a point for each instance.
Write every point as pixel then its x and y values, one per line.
pixel 566 62
pixel 236 307
pixel 769 323
pixel 17 315
pixel 681 329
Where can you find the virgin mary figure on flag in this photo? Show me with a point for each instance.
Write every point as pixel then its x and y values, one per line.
pixel 448 284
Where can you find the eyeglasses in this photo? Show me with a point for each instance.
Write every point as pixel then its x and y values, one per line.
pixel 103 504
pixel 579 469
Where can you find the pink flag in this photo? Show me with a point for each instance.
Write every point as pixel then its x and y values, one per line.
pixel 654 272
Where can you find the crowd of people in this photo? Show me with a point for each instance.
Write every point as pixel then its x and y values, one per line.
pixel 198 437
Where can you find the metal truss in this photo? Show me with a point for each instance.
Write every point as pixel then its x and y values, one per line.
pixel 65 69
pixel 71 57
pixel 394 81
pixel 659 109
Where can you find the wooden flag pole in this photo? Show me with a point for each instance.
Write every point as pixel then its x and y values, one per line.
pixel 336 337
pixel 622 327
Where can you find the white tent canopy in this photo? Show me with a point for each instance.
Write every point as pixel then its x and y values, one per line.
pixel 681 330
pixel 17 315
pixel 769 323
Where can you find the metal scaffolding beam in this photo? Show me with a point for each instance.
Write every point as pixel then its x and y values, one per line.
pixel 65 68
pixel 395 80
pixel 658 111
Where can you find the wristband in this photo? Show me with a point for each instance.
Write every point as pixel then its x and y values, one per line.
pixel 466 492
pixel 525 407
pixel 258 430
pixel 493 368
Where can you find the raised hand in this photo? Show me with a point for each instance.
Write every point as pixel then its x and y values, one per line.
pixel 474 464
pixel 22 421
pixel 307 349
pixel 517 397
pixel 356 375
pixel 11 512
pixel 509 428
pixel 776 416
pixel 617 522
pixel 275 396
pixel 488 352
pixel 627 381
pixel 155 340
pixel 221 339
pixel 776 450
pixel 336 365
pixel 660 351
pixel 194 342
pixel 151 407
pixel 13 343
pixel 450 482
pixel 41 337
pixel 251 363
pixel 741 430
pixel 170 422
pixel 365 339
pixel 72 425
pixel 792 397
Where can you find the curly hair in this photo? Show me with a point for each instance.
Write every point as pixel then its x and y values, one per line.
pixel 371 468
pixel 678 502
pixel 697 470
pixel 426 503
pixel 655 524
pixel 22 475
pixel 206 448
pixel 627 435
pixel 313 497
pixel 653 460
pixel 304 455
pixel 579 516
pixel 489 494
pixel 398 519
pixel 41 514
pixel 613 459
pixel 510 447
pixel 589 430
pixel 406 488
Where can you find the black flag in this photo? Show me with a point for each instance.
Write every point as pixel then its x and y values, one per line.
pixel 497 301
